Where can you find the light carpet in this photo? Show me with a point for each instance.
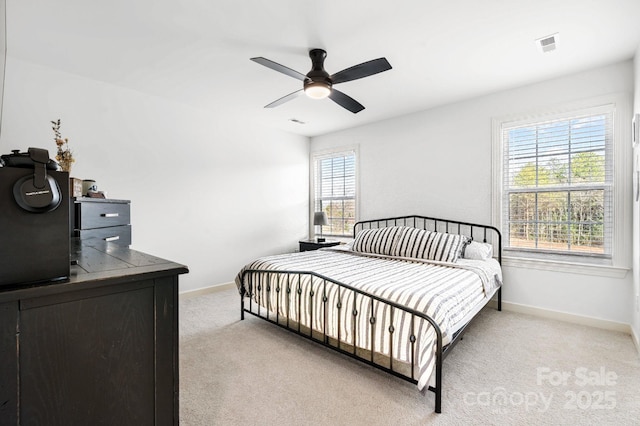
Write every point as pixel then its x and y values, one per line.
pixel 510 368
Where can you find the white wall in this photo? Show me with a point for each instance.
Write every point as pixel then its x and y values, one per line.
pixel 207 189
pixel 438 163
pixel 636 210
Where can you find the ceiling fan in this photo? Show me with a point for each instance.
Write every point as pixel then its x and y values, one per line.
pixel 318 84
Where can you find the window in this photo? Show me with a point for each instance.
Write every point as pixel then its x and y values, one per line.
pixel 557 184
pixel 335 190
pixel 561 183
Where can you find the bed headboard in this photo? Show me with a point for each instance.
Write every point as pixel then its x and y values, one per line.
pixel 475 231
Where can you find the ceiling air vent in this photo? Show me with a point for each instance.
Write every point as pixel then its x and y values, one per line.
pixel 548 43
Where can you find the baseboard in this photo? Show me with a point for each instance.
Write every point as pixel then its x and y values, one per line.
pixel 206 290
pixel 635 339
pixel 566 317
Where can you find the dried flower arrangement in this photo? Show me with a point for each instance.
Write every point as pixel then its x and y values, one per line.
pixel 64 156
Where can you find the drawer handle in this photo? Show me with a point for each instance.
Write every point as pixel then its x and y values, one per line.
pixel 116 238
pixel 110 215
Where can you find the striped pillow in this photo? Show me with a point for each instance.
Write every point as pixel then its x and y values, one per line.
pixel 377 240
pixel 421 244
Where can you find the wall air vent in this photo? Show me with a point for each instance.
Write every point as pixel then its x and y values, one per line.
pixel 548 43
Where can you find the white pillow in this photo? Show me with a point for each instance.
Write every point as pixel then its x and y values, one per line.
pixel 478 251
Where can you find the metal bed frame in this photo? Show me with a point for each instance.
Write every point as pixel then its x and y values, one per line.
pixel 251 278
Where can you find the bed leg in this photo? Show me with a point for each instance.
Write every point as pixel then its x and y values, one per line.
pixel 500 298
pixel 438 396
pixel 439 379
pixel 242 303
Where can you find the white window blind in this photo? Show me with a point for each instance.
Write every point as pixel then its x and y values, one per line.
pixel 558 184
pixel 335 191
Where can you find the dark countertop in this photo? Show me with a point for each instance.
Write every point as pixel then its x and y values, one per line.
pixel 97 264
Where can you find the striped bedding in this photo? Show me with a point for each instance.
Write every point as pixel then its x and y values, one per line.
pixel 447 292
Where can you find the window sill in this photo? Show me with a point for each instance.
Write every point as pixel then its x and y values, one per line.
pixel 567 267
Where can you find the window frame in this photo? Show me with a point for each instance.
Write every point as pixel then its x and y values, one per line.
pixel 618 263
pixel 323 154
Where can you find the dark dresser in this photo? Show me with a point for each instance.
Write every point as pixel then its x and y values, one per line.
pixel 102 219
pixel 101 349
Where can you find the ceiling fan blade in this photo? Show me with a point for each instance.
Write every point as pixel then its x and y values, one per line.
pixel 364 69
pixel 345 101
pixel 284 99
pixel 280 68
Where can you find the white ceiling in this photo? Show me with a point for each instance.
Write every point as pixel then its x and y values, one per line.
pixel 197 51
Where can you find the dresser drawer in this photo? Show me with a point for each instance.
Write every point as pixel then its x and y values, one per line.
pixel 120 235
pixel 101 214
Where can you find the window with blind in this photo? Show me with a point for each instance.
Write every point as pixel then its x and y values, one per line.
pixel 557 184
pixel 335 191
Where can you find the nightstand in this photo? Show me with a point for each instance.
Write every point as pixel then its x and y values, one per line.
pixel 308 245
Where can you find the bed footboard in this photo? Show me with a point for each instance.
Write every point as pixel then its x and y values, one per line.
pixel 259 286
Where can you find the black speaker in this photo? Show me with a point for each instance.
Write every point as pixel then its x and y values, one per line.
pixel 34 224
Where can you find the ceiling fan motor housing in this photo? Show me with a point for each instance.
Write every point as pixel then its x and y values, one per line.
pixel 317 79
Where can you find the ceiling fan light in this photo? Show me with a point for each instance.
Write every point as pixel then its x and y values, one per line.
pixel 317 90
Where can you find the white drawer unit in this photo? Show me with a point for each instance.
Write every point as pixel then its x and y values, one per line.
pixel 104 219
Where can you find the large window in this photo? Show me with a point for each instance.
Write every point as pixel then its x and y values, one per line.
pixel 335 191
pixel 557 184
